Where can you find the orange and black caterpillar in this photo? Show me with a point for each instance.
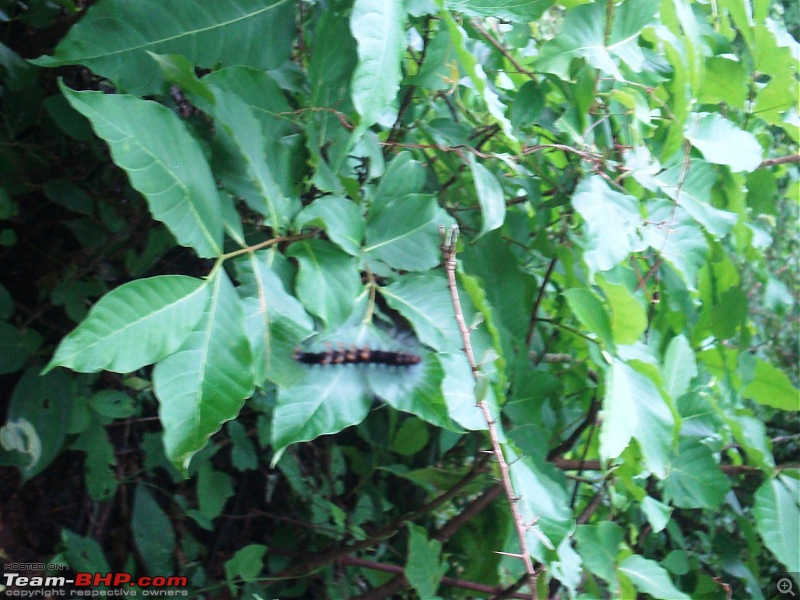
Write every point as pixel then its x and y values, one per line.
pixel 357 356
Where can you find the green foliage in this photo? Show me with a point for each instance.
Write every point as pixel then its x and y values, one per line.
pixel 189 194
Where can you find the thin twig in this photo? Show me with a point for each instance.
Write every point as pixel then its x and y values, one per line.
pixel 502 49
pixel 782 160
pixel 449 239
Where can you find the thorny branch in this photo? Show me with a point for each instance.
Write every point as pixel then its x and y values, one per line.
pixel 448 240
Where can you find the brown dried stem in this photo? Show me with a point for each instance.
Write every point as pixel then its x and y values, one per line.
pixel 449 239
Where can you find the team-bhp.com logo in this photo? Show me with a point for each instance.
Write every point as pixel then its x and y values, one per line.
pixel 92 585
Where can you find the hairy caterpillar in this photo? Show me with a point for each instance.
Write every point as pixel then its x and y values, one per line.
pixel 357 356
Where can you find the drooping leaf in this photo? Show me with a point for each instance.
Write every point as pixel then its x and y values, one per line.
pixel 339 217
pixel 723 143
pixel 134 325
pixel 164 163
pixel 583 35
pixel 695 480
pixel 152 532
pixel 404 233
pixel 207 380
pixel 598 546
pixel 377 27
pixel 772 387
pixel 611 220
pixel 274 320
pixel 777 514
pixel 328 281
pixel 490 196
pixel 591 313
pixel 114 36
pixel 634 408
pixel 679 367
pixel 650 577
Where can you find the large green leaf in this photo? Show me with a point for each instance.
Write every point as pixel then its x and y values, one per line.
pixel 583 35
pixel 521 11
pixel 634 408
pixel 425 303
pixel 274 320
pixel 628 317
pixel 772 387
pixel 611 221
pixel 723 143
pixel 328 282
pixel 340 218
pixel 650 577
pixel 680 367
pixel 404 233
pixel 691 188
pixel 598 546
pixel 245 159
pixel 695 480
pixel 378 27
pixel 114 36
pixel 777 513
pixel 206 382
pixel 134 325
pixel 164 162
pixel 490 196
pixel 329 399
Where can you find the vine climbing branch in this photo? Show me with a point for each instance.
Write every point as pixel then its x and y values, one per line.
pixel 448 247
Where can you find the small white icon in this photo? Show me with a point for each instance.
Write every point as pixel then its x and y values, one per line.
pixel 785 586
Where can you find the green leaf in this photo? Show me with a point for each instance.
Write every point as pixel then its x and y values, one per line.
pixel 378 27
pixel 134 325
pixel 213 490
pixel 327 401
pixel 246 564
pixel 634 408
pixel 544 501
pixel 113 404
pixel 583 35
pixel 519 11
pixel 38 418
pixel 163 161
pixel 683 244
pixel 244 145
pixel 425 303
pixel 772 387
pixel 589 310
pixel 657 513
pixel 152 532
pixel 777 514
pixel 680 367
pixel 628 317
pixel 598 546
pixel 650 577
pixel 490 196
pixel 695 480
pixel 16 347
pixel 424 566
pixel 611 222
pixel 410 438
pixel 339 217
pixel 723 143
pixel 691 189
pixel 328 281
pixel 114 36
pixel 275 321
pixel 725 80
pixel 101 479
pixel 206 382
pixel 404 233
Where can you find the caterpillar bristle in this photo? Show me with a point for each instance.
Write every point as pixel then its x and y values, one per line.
pixel 357 356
